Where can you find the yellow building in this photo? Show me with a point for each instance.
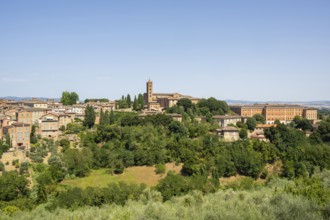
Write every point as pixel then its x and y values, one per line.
pixel 31 115
pixel 49 126
pixel 282 112
pixel 19 134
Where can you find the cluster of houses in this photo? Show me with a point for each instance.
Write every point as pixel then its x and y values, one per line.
pixel 50 118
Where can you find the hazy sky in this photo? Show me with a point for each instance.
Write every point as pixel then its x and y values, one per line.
pixel 230 49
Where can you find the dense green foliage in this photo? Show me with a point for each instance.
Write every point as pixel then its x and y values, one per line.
pixel 274 201
pixel 323 113
pixel 137 104
pixel 12 186
pixel 113 194
pixel 69 98
pixel 206 107
pixel 302 123
pixel 96 100
pixel 323 132
pixel 298 155
pixel 3 147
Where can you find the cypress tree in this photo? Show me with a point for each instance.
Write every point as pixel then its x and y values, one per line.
pixel 89 117
pixel 112 118
pixel 101 117
pixel 129 101
pixel 106 117
pixel 140 102
pixel 135 103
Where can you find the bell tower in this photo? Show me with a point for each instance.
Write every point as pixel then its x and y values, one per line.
pixel 149 91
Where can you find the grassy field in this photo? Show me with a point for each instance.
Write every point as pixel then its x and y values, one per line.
pixel 141 174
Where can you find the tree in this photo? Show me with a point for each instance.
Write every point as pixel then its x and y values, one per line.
pixel 112 117
pixel 260 118
pixel 122 103
pixel 101 117
pixel 140 102
pixel 302 123
pixel 24 168
pixel 214 106
pixel 89 117
pixel 135 104
pixel 8 140
pixel 62 128
pixel 129 101
pixel 324 130
pixel 173 185
pixel 69 98
pixel 177 128
pixel 78 162
pixel 185 103
pixel 33 137
pixel 13 186
pixel 243 133
pixel 251 123
pixel 65 144
pixel 56 168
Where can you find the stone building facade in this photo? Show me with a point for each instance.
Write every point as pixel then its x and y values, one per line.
pixel 282 112
pixel 159 101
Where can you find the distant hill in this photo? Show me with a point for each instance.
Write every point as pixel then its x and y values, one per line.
pixel 15 98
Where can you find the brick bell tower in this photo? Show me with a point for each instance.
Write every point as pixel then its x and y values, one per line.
pixel 149 91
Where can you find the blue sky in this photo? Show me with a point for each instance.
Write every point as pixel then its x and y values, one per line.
pixel 229 49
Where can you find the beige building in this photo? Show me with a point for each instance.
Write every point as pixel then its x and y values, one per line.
pixel 31 115
pixel 24 117
pixel 282 112
pixel 4 121
pixel 225 120
pixel 65 119
pixel 49 126
pixel 8 104
pixel 19 134
pixel 310 114
pixel 11 113
pixel 159 101
pixel 78 109
pixel 105 106
pixel 228 134
pixel 35 104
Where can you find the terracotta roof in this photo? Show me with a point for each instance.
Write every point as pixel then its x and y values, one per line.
pixel 16 124
pixel 50 113
pixel 35 109
pixel 266 105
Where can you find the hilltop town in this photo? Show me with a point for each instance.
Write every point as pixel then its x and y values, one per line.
pixel 69 154
pixel 21 121
pixel 51 118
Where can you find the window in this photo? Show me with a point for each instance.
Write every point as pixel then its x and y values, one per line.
pixel 19 136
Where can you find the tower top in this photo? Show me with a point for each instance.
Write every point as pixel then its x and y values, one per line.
pixel 149 80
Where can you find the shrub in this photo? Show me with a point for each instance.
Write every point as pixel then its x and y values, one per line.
pixel 160 169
